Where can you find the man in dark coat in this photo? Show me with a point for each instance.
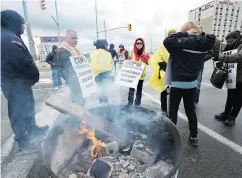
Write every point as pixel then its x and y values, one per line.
pixel 56 67
pixel 114 54
pixel 18 74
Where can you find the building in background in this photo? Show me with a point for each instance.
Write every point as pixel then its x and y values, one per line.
pixel 219 17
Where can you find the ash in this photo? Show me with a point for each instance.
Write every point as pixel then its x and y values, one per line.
pixel 126 166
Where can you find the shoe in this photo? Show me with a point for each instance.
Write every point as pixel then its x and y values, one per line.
pixel 164 113
pixel 193 141
pixel 130 104
pixel 221 117
pixel 61 86
pixel 230 121
pixel 25 144
pixel 56 88
pixel 37 131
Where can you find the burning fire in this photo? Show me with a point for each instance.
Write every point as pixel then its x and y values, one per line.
pixel 97 145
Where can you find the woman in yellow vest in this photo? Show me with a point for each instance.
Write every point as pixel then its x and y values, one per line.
pixel 138 54
pixel 102 66
pixel 158 61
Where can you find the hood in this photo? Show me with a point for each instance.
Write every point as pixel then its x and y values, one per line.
pixel 136 49
pixel 12 21
pixel 169 30
pixel 54 47
pixel 111 46
pixel 100 44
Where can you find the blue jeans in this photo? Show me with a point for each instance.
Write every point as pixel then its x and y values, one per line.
pixel 199 81
pixel 56 76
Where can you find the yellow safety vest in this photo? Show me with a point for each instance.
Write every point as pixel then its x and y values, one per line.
pixel 72 50
pixel 132 57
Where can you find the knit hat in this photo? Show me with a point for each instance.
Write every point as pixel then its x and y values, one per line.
pixel 234 34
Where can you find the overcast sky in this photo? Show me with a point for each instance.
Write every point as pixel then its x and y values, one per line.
pixel 148 18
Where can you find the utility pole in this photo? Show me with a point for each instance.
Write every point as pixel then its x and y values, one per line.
pixel 57 22
pixel 105 30
pixel 28 28
pixel 96 17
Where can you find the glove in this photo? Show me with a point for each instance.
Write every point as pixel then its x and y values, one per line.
pixel 162 67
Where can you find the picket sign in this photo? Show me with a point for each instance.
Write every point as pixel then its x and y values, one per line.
pixel 130 74
pixel 232 71
pixel 168 74
pixel 84 74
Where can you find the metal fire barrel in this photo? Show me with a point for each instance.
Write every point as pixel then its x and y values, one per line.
pixel 61 143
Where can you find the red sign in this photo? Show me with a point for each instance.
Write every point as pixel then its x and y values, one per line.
pixel 51 39
pixel 208 7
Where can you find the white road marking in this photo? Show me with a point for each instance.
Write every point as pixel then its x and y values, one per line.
pixel 212 85
pixel 208 131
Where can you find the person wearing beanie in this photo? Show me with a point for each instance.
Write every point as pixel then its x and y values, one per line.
pixel 18 74
pixel 102 66
pixel 234 96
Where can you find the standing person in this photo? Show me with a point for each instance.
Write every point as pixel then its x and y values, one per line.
pixel 187 51
pixel 114 55
pixel 159 61
pixel 55 67
pixel 123 54
pixel 102 66
pixel 138 54
pixel 234 96
pixel 18 74
pixel 64 52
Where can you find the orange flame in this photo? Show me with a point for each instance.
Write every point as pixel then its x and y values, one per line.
pixel 95 150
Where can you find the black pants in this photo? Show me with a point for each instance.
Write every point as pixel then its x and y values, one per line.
pixel 21 108
pixel 138 94
pixel 163 100
pixel 234 101
pixel 176 95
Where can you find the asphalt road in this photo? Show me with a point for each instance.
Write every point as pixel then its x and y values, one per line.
pixel 215 157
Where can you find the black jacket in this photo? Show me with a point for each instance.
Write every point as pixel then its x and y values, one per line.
pixel 50 57
pixel 17 64
pixel 113 52
pixel 188 54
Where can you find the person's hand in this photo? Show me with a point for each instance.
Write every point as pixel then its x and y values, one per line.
pixel 192 32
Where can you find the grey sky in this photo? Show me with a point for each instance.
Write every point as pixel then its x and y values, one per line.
pixel 148 18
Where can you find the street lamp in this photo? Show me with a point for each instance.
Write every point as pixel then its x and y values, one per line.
pixel 96 17
pixel 57 22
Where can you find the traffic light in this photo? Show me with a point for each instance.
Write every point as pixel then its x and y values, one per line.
pixel 129 27
pixel 42 4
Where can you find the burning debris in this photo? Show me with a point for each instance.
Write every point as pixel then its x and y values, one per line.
pixel 109 160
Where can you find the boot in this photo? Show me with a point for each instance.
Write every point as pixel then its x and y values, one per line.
pixel 36 131
pixel 230 121
pixel 25 144
pixel 193 141
pixel 221 117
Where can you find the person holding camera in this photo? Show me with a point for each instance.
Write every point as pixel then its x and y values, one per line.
pixel 234 96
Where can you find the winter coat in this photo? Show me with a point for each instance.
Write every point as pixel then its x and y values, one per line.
pixel 51 57
pixel 112 51
pixel 236 58
pixel 158 62
pixel 144 57
pixel 188 54
pixel 101 59
pixel 17 64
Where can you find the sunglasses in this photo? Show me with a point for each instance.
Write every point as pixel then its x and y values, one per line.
pixel 121 46
pixel 139 43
